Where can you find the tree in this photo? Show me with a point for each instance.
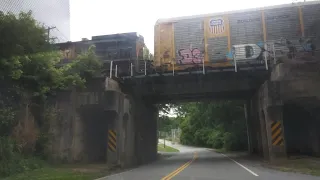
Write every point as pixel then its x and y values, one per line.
pixel 83 68
pixel 29 73
pixel 217 125
pixel 151 57
pixel 146 54
pixel 20 35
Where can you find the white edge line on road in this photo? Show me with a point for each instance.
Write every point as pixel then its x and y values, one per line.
pixel 241 165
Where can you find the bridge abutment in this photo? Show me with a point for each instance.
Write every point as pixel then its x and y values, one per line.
pixel 103 126
pixel 146 127
pixel 136 128
pixel 266 130
pixel 283 114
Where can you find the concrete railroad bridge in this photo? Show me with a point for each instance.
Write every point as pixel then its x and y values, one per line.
pixel 114 120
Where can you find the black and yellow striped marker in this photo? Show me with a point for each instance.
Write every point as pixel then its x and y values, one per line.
pixel 112 140
pixel 276 133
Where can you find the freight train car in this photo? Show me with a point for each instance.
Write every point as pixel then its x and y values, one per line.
pixel 216 40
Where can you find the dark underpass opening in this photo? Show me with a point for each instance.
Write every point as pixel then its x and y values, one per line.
pixel 95 122
pixel 300 126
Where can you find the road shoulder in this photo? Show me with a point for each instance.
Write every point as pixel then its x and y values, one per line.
pixel 299 164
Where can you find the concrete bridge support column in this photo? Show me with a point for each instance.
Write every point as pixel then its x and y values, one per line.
pixel 247 113
pixel 113 107
pixel 254 129
pixel 135 126
pixel 127 133
pixel 270 111
pixel 121 131
pixel 276 146
pixel 146 132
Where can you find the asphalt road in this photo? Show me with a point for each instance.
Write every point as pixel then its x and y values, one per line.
pixel 204 164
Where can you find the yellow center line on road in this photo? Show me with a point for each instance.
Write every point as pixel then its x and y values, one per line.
pixel 181 168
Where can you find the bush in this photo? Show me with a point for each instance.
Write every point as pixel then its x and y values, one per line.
pixel 215 139
pixel 229 141
pixel 186 138
pixel 7 148
pixel 201 136
pixel 12 162
pixel 217 125
pixel 232 141
pixel 7 120
pixel 19 164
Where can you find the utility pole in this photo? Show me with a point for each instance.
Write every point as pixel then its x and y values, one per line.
pixel 48 32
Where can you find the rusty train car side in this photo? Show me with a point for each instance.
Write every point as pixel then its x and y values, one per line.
pixel 123 49
pixel 213 39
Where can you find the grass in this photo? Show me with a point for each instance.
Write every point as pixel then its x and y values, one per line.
pixel 304 165
pixel 161 148
pixel 67 172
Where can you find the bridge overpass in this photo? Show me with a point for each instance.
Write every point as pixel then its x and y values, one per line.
pixel 114 119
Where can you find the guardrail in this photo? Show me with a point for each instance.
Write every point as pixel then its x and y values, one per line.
pixel 243 57
pixel 204 70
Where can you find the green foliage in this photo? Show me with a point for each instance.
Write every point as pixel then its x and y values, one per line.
pixel 21 35
pixel 216 139
pixel 86 65
pixel 165 124
pixel 146 54
pixel 39 73
pixel 12 161
pixel 7 120
pixel 217 125
pixel 65 173
pixel 83 68
pixel 30 73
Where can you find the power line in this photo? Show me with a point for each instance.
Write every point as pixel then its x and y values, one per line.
pixel 61 35
pixel 48 32
pixel 65 37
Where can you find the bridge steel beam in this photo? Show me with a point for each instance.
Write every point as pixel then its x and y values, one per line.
pixel 225 85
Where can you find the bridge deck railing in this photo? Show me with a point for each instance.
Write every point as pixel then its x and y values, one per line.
pixel 244 57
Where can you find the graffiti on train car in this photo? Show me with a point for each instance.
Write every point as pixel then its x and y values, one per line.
pixel 293 48
pixel 275 49
pixel 245 52
pixel 190 56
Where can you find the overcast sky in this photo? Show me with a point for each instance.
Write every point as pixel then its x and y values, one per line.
pixel 99 17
